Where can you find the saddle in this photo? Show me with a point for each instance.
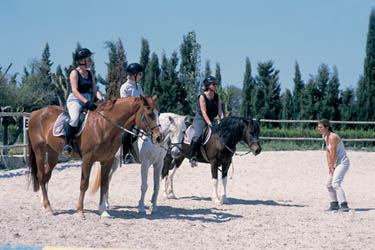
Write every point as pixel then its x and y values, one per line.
pixel 206 135
pixel 62 122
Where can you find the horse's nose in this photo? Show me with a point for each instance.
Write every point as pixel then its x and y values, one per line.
pixel 159 139
pixel 258 150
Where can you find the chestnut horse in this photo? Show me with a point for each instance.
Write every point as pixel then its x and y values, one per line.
pixel 99 141
pixel 219 149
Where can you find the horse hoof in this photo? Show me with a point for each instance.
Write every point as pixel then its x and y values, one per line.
pixel 217 201
pixel 171 196
pixel 224 200
pixel 142 211
pixel 105 214
pixel 49 213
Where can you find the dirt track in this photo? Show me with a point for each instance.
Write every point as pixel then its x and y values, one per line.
pixel 277 200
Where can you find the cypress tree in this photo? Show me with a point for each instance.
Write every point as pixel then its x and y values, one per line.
pixel 247 91
pixel 322 83
pixel 177 91
pixel 163 100
pixel 189 70
pixel 332 100
pixel 207 70
pixel 309 101
pixel 297 92
pixel 152 82
pixel 145 57
pixel 218 74
pixel 268 80
pixel 366 87
pixel 347 106
pixel 287 105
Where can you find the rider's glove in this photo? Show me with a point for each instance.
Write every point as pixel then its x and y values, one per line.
pixel 90 105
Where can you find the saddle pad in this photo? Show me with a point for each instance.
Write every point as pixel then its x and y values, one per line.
pixel 189 133
pixel 58 127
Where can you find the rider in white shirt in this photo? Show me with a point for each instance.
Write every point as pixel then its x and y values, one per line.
pixel 130 88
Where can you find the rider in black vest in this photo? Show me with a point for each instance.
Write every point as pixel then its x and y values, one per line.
pixel 208 108
pixel 82 83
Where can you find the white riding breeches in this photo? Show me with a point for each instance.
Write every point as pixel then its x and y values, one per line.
pixel 74 108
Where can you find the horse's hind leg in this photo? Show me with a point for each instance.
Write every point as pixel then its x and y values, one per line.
pixel 168 192
pixel 214 173
pixel 40 155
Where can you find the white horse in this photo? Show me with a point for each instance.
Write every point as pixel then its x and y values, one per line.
pixel 172 128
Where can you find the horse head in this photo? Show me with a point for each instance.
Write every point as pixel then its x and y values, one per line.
pixel 147 118
pixel 175 130
pixel 251 135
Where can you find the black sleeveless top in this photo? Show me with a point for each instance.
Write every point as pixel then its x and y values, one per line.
pixel 84 85
pixel 212 107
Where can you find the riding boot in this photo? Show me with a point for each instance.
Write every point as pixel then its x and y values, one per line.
pixel 193 152
pixel 127 157
pixel 69 135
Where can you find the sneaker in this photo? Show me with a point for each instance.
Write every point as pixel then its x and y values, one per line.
pixel 344 207
pixel 67 151
pixel 334 206
pixel 193 162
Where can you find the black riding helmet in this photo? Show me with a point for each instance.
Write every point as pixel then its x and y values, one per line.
pixel 208 81
pixel 82 54
pixel 134 68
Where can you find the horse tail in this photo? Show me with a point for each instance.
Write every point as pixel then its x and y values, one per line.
pixel 31 163
pixel 96 184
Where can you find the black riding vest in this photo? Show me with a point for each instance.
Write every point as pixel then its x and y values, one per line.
pixel 212 107
pixel 84 85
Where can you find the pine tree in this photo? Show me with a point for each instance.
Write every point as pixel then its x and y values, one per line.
pixel 297 92
pixel 247 91
pixel 189 70
pixel 145 58
pixel 366 87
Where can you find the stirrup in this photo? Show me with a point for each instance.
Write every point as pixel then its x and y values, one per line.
pixel 67 151
pixel 193 162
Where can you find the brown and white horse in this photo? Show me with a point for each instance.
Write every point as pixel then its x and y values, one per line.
pixel 99 140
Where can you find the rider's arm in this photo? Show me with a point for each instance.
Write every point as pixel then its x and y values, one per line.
pixel 74 84
pixel 331 157
pixel 95 89
pixel 202 104
pixel 221 115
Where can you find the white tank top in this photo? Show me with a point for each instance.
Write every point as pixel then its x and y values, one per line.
pixel 340 152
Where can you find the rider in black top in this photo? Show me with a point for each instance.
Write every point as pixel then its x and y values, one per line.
pixel 208 108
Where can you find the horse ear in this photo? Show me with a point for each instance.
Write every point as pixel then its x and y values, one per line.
pixel 155 98
pixel 186 118
pixel 143 100
pixel 170 119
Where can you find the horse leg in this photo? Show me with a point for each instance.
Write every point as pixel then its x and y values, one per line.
pixel 85 174
pixel 115 165
pixel 214 173
pixel 144 174
pixel 169 185
pixel 224 177
pixel 106 168
pixel 157 172
pixel 40 156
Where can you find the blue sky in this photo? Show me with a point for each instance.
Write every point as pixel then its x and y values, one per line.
pixel 333 32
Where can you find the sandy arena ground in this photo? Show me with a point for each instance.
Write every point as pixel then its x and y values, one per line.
pixel 277 202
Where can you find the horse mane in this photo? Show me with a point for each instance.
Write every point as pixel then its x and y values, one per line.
pixel 107 105
pixel 230 129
